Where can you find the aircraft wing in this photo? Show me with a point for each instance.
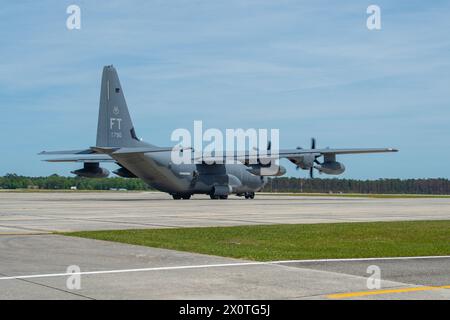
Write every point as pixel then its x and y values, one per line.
pixel 246 157
pixel 293 152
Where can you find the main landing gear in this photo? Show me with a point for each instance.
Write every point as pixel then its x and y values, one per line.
pixel 186 196
pixel 249 195
pixel 218 197
pixel 177 196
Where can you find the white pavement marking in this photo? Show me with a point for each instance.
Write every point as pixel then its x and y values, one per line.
pixel 239 264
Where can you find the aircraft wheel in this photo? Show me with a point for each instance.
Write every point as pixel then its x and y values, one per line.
pixel 249 195
pixel 224 197
pixel 213 197
pixel 186 196
pixel 176 196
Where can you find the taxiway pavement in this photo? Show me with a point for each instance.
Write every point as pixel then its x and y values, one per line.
pixel 48 212
pixel 28 249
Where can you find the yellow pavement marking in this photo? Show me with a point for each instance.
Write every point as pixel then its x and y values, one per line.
pixel 383 291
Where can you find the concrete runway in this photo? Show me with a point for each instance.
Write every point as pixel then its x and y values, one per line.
pixel 27 250
pixel 48 212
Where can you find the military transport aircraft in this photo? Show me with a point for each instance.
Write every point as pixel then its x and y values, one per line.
pixel 117 142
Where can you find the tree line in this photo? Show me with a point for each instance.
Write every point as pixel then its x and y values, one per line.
pixel 284 184
pixel 55 182
pixel 380 186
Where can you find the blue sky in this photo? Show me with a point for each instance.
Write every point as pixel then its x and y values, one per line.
pixel 309 68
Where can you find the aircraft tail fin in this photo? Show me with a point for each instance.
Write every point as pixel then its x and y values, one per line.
pixel 115 128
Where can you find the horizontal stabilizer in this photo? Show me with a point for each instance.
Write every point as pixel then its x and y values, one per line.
pixel 85 158
pixel 103 154
pixel 113 151
pixel 147 150
pixel 84 151
pixel 104 150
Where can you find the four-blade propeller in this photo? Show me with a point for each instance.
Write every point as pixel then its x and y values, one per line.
pixel 311 169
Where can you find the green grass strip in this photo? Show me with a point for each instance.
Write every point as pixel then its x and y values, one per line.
pixel 295 241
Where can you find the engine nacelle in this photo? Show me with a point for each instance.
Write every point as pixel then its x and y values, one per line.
pixel 274 170
pixel 331 167
pixel 306 161
pixel 92 170
pixel 124 173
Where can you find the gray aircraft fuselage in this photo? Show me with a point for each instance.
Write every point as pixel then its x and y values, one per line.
pixel 158 171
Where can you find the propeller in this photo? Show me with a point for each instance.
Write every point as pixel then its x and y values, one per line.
pixel 311 170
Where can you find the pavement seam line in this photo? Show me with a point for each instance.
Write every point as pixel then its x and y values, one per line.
pixel 55 288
